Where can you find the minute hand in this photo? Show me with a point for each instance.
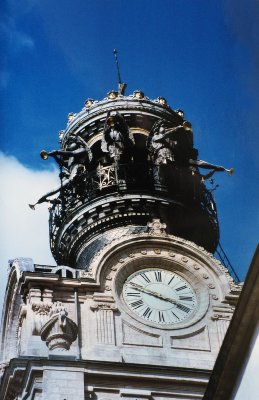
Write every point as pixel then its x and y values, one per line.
pixel 156 294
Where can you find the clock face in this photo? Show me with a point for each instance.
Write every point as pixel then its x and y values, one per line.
pixel 159 296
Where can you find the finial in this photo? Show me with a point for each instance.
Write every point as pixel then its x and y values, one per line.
pixel 122 86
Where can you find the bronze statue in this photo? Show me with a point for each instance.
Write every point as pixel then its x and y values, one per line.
pixel 213 167
pixel 75 158
pixel 117 139
pixel 176 145
pixel 166 145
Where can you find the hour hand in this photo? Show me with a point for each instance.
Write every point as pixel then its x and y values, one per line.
pixel 153 293
pixel 136 285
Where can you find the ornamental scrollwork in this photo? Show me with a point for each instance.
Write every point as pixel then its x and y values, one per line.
pixel 41 308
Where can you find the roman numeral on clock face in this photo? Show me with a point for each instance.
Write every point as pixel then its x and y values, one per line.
pixel 181 288
pixel 171 280
pixel 132 294
pixel 158 276
pixel 147 312
pixel 161 316
pixel 183 308
pixel 137 304
pixel 186 298
pixel 175 315
pixel 144 276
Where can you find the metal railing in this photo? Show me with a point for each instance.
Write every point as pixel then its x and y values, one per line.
pixel 181 184
pixel 220 253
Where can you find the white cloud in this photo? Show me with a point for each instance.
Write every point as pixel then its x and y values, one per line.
pixel 24 233
pixel 17 39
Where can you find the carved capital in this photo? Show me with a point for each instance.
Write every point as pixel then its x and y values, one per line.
pixel 103 306
pixel 41 308
pixel 59 331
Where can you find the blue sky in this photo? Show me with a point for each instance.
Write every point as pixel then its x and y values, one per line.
pixel 202 56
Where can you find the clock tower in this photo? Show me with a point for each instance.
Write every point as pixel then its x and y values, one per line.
pixel 137 306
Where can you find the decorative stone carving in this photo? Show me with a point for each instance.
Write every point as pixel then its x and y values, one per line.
pixel 211 286
pixel 156 227
pixel 138 94
pixel 86 274
pixel 223 316
pixel 131 255
pixel 40 305
pixel 103 306
pixel 222 322
pixel 59 331
pixel 41 308
pixel 236 287
pixel 104 322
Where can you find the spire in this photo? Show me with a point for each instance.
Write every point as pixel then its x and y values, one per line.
pixel 122 86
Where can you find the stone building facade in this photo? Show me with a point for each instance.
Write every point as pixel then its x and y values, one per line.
pixel 137 306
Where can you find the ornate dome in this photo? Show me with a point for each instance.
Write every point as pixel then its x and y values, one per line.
pixel 126 160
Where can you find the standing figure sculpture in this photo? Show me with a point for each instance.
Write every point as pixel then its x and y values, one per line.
pixel 176 145
pixel 117 139
pixel 170 145
pixel 158 145
pixel 75 158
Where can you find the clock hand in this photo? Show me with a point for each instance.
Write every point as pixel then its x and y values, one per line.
pixel 156 294
pixel 160 296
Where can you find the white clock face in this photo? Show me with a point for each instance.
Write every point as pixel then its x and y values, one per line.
pixel 159 296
